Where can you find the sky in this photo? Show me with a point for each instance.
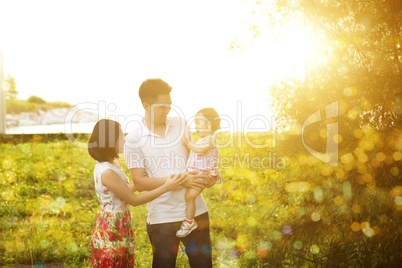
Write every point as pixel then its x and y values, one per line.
pixel 99 52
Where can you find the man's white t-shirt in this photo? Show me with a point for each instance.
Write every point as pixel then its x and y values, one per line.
pixel 161 157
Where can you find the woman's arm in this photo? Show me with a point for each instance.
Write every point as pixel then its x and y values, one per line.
pixel 144 183
pixel 115 184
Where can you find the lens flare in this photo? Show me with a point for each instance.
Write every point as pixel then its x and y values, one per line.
pixel 338 200
pixel 398 200
pixel 356 208
pixel 314 249
pixel 315 216
pixel 394 171
pixel 287 229
pixel 44 243
pixel 397 156
pixel 355 226
pixel 298 245
pixel 347 158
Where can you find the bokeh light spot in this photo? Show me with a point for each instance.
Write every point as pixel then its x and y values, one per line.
pixel 365 224
pixel 347 158
pixel 7 164
pixel 326 170
pixel 250 255
pixel 318 194
pixel 251 221
pixel 396 191
pixel 298 245
pixel 340 174
pixel 356 208
pixel 355 226
pixel 287 229
pixel 264 248
pixel 368 231
pixel 338 200
pixel 347 190
pixel 262 253
pixel 380 156
pixel 69 186
pixel 349 91
pixel 206 249
pixel 366 145
pixel 362 158
pixel 314 249
pixel 276 235
pixel 337 138
pixel 368 130
pixel 44 243
pixel 300 186
pixel 72 247
pixel 315 216
pixel 398 200
pixel 358 133
pixel 397 156
pixel 60 201
pixel 394 171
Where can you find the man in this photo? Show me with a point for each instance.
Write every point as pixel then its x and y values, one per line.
pixel 155 147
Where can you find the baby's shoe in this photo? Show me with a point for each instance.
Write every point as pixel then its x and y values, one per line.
pixel 186 228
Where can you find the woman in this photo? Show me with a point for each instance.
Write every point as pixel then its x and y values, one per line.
pixel 112 241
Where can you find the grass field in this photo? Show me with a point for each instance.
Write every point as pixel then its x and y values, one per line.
pixel 278 206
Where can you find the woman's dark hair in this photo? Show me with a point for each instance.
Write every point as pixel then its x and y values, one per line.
pixel 212 116
pixel 151 88
pixel 102 143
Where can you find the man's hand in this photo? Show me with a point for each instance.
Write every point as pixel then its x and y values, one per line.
pixel 210 180
pixel 192 180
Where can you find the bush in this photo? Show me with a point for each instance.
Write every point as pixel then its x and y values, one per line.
pixel 35 99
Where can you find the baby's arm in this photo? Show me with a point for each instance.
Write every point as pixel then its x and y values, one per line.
pixel 208 144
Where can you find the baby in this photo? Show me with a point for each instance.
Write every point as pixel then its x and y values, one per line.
pixel 203 158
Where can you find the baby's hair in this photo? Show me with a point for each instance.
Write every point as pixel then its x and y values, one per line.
pixel 212 116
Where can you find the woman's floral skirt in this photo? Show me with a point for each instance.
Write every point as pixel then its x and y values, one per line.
pixel 112 241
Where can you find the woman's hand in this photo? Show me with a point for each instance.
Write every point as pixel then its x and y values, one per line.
pixel 174 182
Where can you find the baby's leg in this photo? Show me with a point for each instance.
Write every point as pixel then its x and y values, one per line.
pixel 191 195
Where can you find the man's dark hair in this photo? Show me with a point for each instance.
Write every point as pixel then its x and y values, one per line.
pixel 212 116
pixel 151 88
pixel 102 143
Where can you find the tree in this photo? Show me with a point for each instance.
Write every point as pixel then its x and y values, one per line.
pixel 362 69
pixel 363 66
pixel 10 87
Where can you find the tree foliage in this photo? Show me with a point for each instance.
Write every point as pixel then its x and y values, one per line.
pixel 10 87
pixel 361 63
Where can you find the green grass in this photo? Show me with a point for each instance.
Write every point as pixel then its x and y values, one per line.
pixel 48 207
pixel 16 106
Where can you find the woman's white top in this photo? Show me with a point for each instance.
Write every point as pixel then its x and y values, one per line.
pixel 108 200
